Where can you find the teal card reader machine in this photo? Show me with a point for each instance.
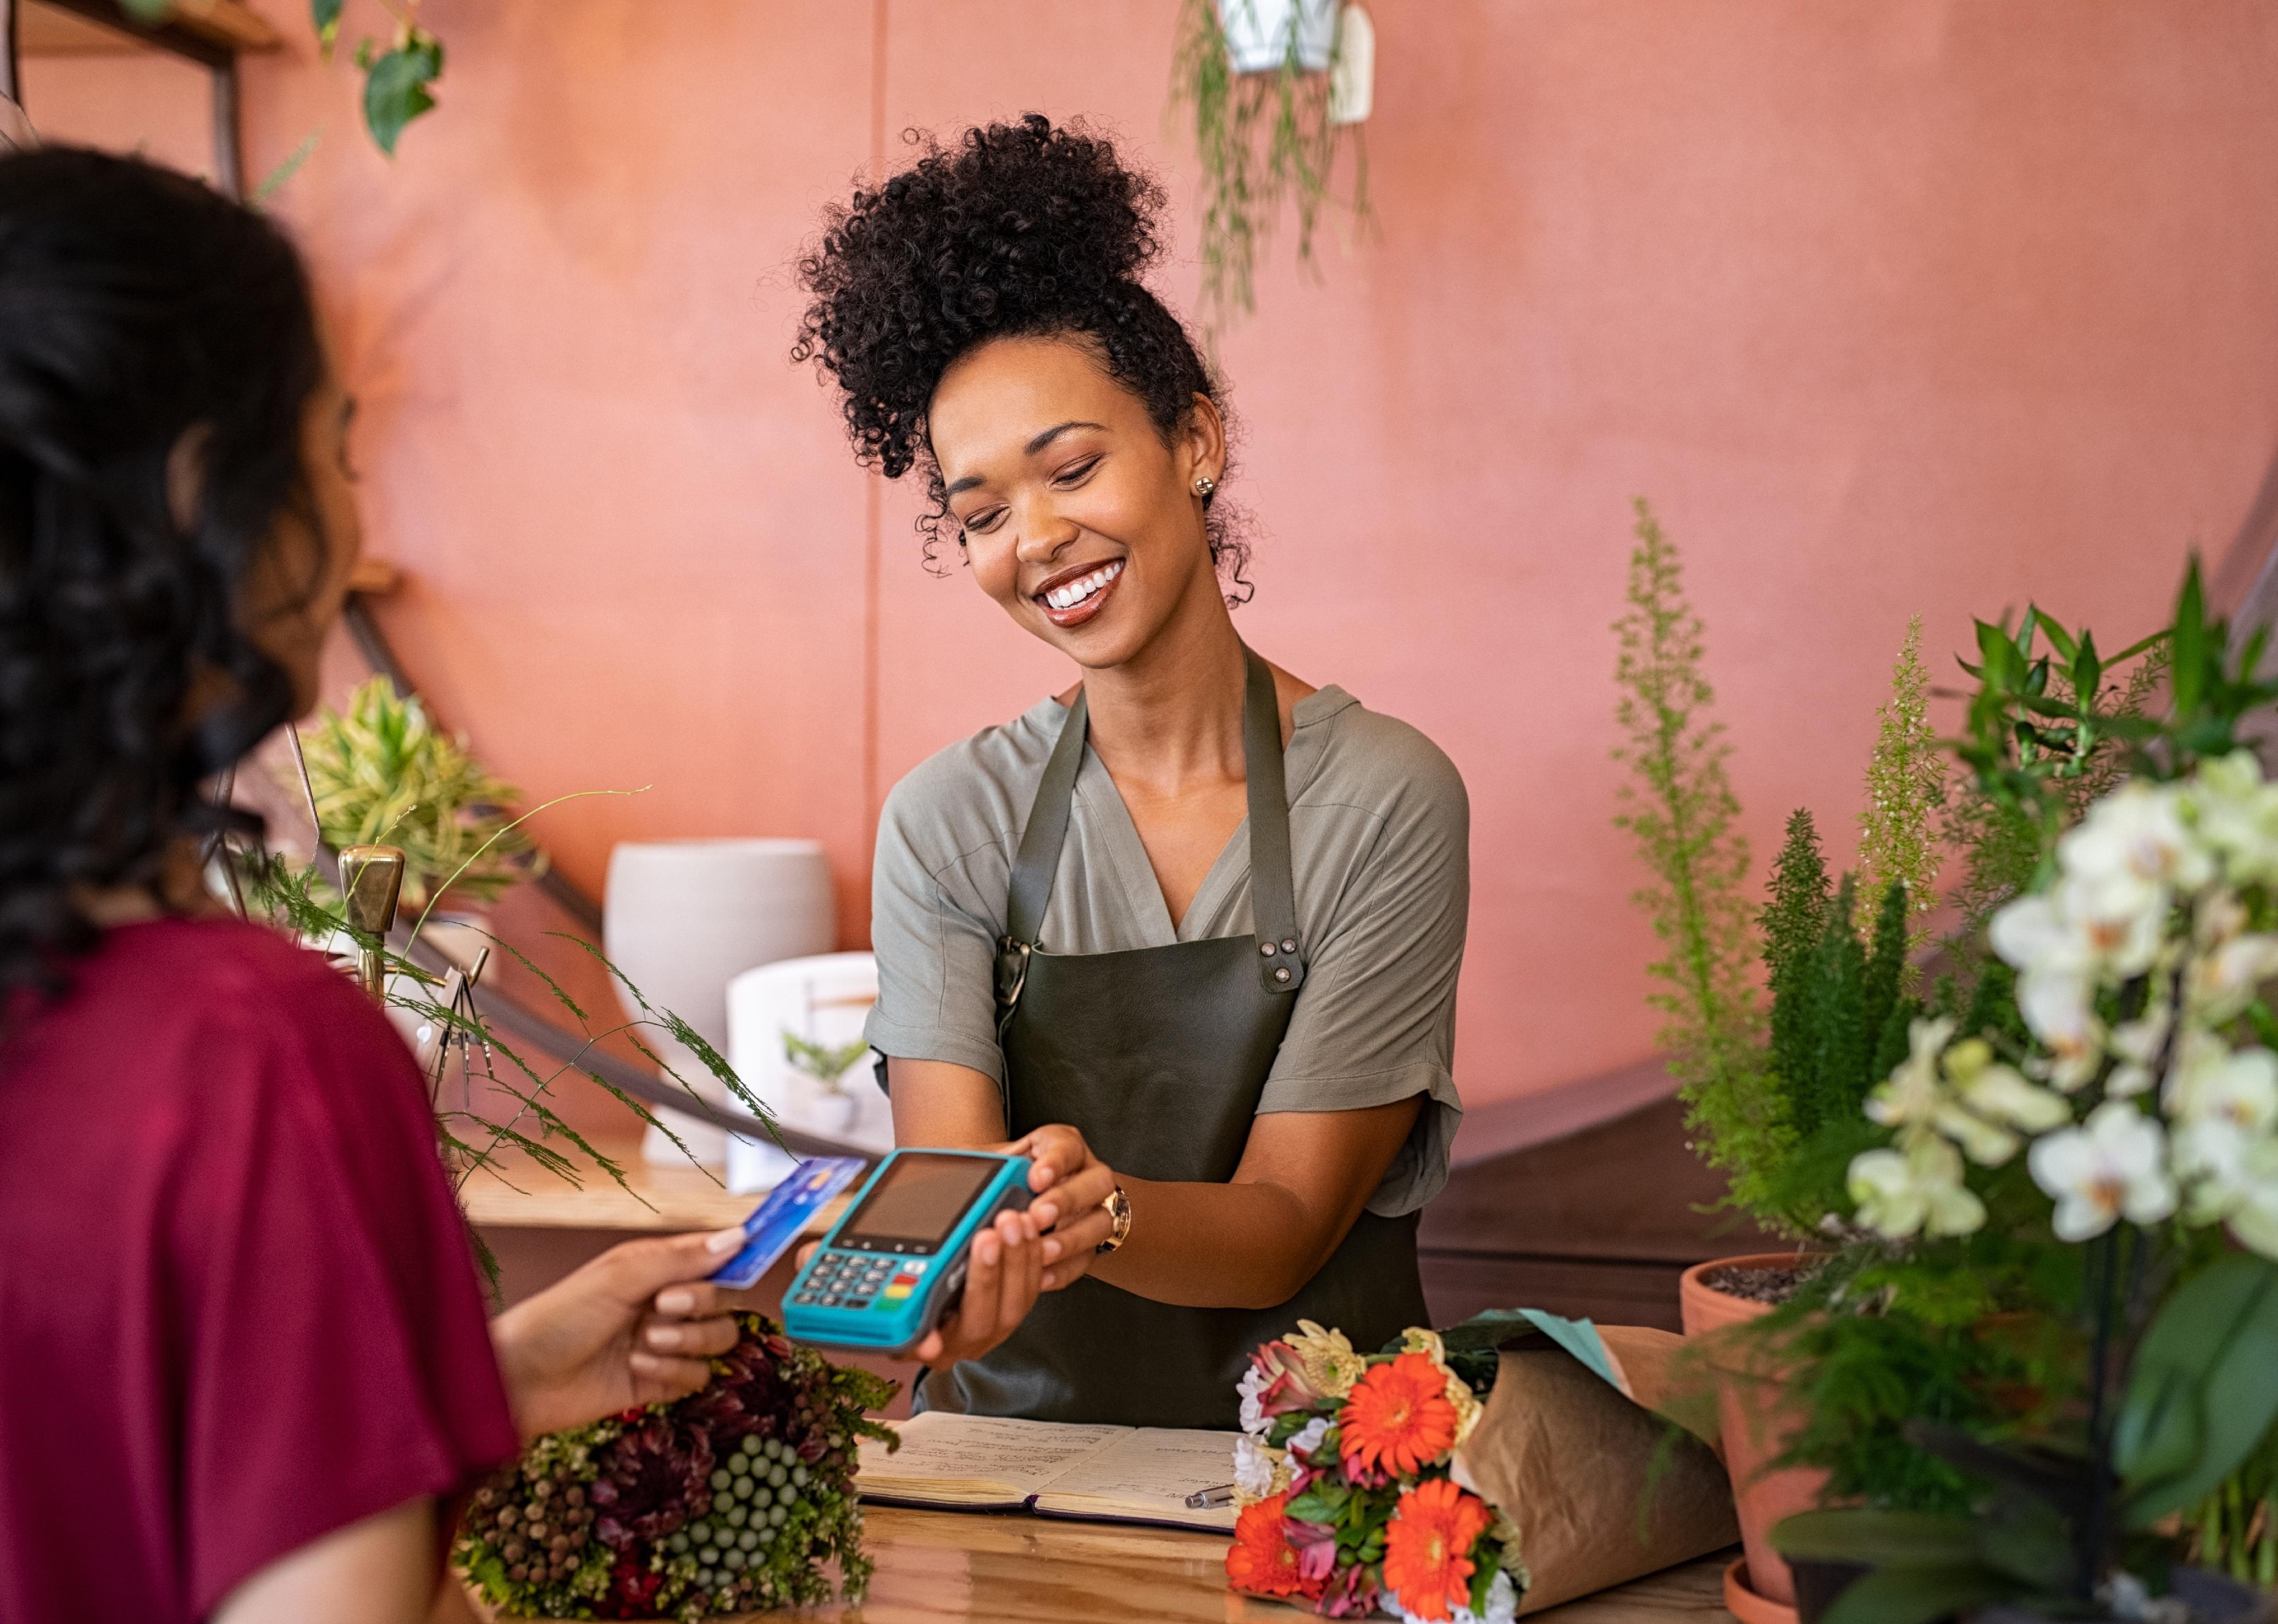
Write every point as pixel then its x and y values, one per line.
pixel 894 1264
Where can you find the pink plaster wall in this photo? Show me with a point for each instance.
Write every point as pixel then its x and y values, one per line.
pixel 1921 306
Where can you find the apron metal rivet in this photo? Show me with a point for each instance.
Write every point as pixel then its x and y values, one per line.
pixel 1282 975
pixel 1265 947
pixel 1290 946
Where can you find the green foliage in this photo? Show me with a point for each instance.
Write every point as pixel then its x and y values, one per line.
pixel 1681 811
pixel 2047 732
pixel 1881 1337
pixel 1906 785
pixel 1260 138
pixel 825 1063
pixel 2235 1529
pixel 398 84
pixel 382 771
pixel 1839 1024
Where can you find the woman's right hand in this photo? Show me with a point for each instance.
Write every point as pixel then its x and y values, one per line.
pixel 1004 1272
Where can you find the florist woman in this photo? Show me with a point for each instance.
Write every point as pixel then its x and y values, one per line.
pixel 1187 933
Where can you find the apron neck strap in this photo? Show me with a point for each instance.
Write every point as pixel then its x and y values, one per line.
pixel 1272 896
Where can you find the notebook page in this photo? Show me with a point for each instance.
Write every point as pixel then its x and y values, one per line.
pixel 1148 1473
pixel 956 1455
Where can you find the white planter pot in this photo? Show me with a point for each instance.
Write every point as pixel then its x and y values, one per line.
pixel 1258 32
pixel 833 1113
pixel 682 918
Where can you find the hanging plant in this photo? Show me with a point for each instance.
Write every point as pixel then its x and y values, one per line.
pixel 1277 89
pixel 397 81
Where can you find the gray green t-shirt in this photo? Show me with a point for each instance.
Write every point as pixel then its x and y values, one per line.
pixel 1380 830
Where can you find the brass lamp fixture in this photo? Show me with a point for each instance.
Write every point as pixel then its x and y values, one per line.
pixel 372 879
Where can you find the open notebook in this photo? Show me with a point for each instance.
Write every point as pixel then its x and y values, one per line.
pixel 1112 1474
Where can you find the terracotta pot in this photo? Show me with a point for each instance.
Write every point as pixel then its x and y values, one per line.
pixel 1755 1423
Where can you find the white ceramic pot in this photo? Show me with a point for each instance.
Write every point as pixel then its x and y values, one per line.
pixel 824 999
pixel 1257 33
pixel 683 918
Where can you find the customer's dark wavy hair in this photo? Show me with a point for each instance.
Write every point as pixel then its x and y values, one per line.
pixel 136 306
pixel 1019 229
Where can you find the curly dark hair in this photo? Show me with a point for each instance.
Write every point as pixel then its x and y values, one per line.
pixel 1018 230
pixel 135 305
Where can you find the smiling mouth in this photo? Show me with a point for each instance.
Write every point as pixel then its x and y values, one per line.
pixel 1071 603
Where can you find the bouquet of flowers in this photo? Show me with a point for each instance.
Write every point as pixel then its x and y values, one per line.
pixel 730 1499
pixel 1350 1500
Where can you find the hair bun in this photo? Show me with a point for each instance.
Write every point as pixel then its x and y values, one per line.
pixel 1017 227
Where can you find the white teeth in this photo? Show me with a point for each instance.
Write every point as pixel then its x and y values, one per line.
pixel 1075 592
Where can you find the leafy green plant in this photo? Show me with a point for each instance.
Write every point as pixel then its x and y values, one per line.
pixel 381 771
pixel 826 1062
pixel 1261 139
pixel 1681 812
pixel 2199 1397
pixel 399 81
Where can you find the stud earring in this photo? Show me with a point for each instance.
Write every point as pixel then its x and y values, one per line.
pixel 1204 485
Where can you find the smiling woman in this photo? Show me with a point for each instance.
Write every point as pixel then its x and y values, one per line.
pixel 1186 936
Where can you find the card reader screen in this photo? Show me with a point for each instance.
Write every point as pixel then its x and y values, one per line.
pixel 919 1199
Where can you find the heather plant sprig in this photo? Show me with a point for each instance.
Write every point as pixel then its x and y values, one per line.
pixel 1905 787
pixel 1681 811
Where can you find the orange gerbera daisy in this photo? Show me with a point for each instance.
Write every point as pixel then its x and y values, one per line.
pixel 1398 1416
pixel 1427 1547
pixel 1262 1561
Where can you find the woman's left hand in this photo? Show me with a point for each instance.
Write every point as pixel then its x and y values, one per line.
pixel 1069 1184
pixel 637 1325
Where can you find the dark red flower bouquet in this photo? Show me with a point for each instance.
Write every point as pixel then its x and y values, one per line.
pixel 729 1500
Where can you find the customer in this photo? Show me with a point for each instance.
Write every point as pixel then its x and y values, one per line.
pixel 243 1362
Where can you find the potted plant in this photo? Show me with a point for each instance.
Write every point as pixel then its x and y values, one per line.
pixel 832 1109
pixel 380 770
pixel 2108 1128
pixel 1773 1093
pixel 1270 113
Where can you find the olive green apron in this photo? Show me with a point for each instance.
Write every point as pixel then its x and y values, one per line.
pixel 1159 1056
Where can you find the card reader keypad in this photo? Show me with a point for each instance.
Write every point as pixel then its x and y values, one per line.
pixel 842 1279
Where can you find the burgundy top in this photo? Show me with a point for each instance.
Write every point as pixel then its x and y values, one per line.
pixel 238 1309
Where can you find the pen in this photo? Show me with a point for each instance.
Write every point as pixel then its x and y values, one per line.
pixel 1210 1499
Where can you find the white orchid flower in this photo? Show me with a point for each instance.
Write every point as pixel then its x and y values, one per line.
pixel 2209 1159
pixel 1912 1092
pixel 2224 982
pixel 2060 1010
pixel 2112 1167
pixel 2137 836
pixel 2213 1083
pixel 2233 813
pixel 1918 1190
pixel 2137 1044
pixel 2254 1220
pixel 1982 1142
pixel 2003 1093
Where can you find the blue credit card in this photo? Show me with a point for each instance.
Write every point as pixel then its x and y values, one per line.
pixel 776 1223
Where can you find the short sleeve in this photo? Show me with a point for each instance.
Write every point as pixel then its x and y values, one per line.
pixel 337 1358
pixel 1376 1020
pixel 934 931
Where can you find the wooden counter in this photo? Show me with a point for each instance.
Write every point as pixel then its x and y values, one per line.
pixel 937 1567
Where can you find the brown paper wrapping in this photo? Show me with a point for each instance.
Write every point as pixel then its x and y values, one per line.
pixel 1566 1457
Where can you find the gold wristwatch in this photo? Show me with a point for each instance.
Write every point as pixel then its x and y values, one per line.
pixel 1118 1207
